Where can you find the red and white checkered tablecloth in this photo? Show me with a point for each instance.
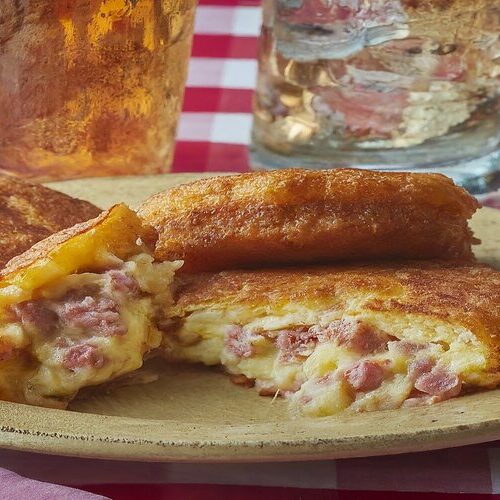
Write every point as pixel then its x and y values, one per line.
pixel 213 134
pixel 214 129
pixel 473 471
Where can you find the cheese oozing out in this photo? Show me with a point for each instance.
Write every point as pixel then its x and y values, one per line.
pixel 328 361
pixel 86 328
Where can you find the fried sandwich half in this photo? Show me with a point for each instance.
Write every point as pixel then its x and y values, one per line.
pixel 80 308
pixel 300 216
pixel 31 212
pixel 330 338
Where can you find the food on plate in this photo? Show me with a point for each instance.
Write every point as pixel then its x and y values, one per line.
pixel 31 212
pixel 80 308
pixel 88 304
pixel 362 338
pixel 300 216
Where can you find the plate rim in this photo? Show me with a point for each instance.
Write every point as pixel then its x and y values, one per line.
pixel 20 437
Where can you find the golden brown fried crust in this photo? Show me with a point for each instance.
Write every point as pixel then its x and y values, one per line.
pixel 31 212
pixel 302 216
pixel 466 294
pixel 434 4
pixel 43 248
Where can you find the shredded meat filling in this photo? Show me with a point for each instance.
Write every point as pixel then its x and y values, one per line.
pixel 357 336
pixel 439 382
pixel 83 355
pixel 34 314
pixel 123 283
pixel 98 314
pixel 295 344
pixel 365 376
pixel 94 310
pixel 430 381
pixel 238 341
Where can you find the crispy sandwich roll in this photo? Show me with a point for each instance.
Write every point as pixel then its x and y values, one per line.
pixel 79 308
pixel 302 216
pixel 364 338
pixel 31 212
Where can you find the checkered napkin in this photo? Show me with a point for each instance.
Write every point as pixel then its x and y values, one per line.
pixel 15 487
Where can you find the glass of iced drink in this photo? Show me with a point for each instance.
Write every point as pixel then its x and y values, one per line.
pixel 391 84
pixel 91 87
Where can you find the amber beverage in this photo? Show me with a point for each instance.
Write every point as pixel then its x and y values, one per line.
pixel 91 87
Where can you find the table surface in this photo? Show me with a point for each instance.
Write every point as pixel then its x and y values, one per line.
pixel 213 133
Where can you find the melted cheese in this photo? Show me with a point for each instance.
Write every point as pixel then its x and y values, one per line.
pixel 123 354
pixel 46 380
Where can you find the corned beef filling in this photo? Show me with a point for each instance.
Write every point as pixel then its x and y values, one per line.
pixel 295 344
pixel 239 342
pixel 365 376
pixel 373 353
pixel 77 320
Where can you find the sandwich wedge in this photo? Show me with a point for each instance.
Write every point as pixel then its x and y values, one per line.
pixel 300 217
pixel 31 212
pixel 80 308
pixel 361 338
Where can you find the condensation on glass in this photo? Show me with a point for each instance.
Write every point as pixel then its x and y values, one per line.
pixel 91 87
pixel 388 83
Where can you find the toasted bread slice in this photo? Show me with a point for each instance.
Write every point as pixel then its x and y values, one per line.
pixel 330 338
pixel 31 212
pixel 79 308
pixel 301 216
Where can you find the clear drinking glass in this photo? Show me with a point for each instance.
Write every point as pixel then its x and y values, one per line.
pixel 91 87
pixel 390 84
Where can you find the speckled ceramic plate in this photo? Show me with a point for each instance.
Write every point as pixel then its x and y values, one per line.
pixel 195 414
